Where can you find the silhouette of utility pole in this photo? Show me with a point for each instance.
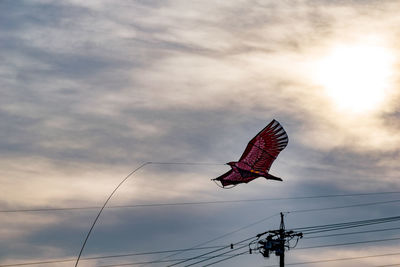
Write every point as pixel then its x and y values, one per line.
pixel 276 241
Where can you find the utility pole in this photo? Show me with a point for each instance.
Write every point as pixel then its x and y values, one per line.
pixel 276 241
pixel 282 242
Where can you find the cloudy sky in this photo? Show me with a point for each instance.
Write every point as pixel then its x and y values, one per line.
pixel 90 90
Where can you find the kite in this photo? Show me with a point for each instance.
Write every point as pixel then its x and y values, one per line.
pixel 258 157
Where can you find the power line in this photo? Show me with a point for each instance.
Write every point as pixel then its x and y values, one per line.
pixel 351 243
pixel 166 163
pixel 353 224
pixel 112 256
pixel 205 254
pixel 219 248
pixel 296 211
pixel 120 264
pixel 293 211
pixel 36 263
pixel 156 261
pixel 44 209
pixel 118 186
pixel 246 252
pixel 342 259
pixel 353 233
pixel 238 230
pixel 230 257
pixel 339 226
pixel 226 234
pixel 276 240
pixel 345 206
pixel 212 257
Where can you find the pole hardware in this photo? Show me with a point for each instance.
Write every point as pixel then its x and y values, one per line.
pixel 275 242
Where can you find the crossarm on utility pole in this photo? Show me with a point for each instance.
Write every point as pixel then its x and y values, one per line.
pixel 276 241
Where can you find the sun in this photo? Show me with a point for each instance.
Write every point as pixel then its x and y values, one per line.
pixel 356 77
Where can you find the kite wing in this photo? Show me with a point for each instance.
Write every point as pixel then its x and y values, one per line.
pixel 232 178
pixel 265 147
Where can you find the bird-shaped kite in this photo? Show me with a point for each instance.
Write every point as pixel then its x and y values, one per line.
pixel 258 157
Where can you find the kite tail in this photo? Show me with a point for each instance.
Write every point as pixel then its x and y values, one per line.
pixel 271 177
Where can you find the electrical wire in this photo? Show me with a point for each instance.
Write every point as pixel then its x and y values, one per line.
pixel 353 233
pixel 215 256
pixel 336 226
pixel 293 211
pixel 351 243
pixel 35 263
pixel 119 264
pixel 179 163
pixel 211 257
pixel 168 163
pixel 342 259
pixel 205 254
pixel 321 226
pixel 204 203
pixel 118 186
pixel 346 227
pixel 242 228
pixel 226 234
pixel 155 261
pixel 44 209
pixel 230 257
pixel 219 248
pixel 345 206
pixel 114 256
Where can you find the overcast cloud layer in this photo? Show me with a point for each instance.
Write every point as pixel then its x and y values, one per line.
pixel 92 89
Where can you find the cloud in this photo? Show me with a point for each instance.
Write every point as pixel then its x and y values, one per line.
pixel 90 90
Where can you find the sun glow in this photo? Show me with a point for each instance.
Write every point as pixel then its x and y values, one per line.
pixel 356 78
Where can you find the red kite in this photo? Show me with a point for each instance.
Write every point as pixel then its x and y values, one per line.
pixel 258 157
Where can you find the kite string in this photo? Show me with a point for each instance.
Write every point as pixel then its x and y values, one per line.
pixel 116 188
pixel 102 208
pixel 223 187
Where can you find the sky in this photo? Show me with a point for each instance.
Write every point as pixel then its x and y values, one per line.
pixel 90 90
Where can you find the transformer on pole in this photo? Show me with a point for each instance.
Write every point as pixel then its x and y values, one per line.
pixel 276 241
